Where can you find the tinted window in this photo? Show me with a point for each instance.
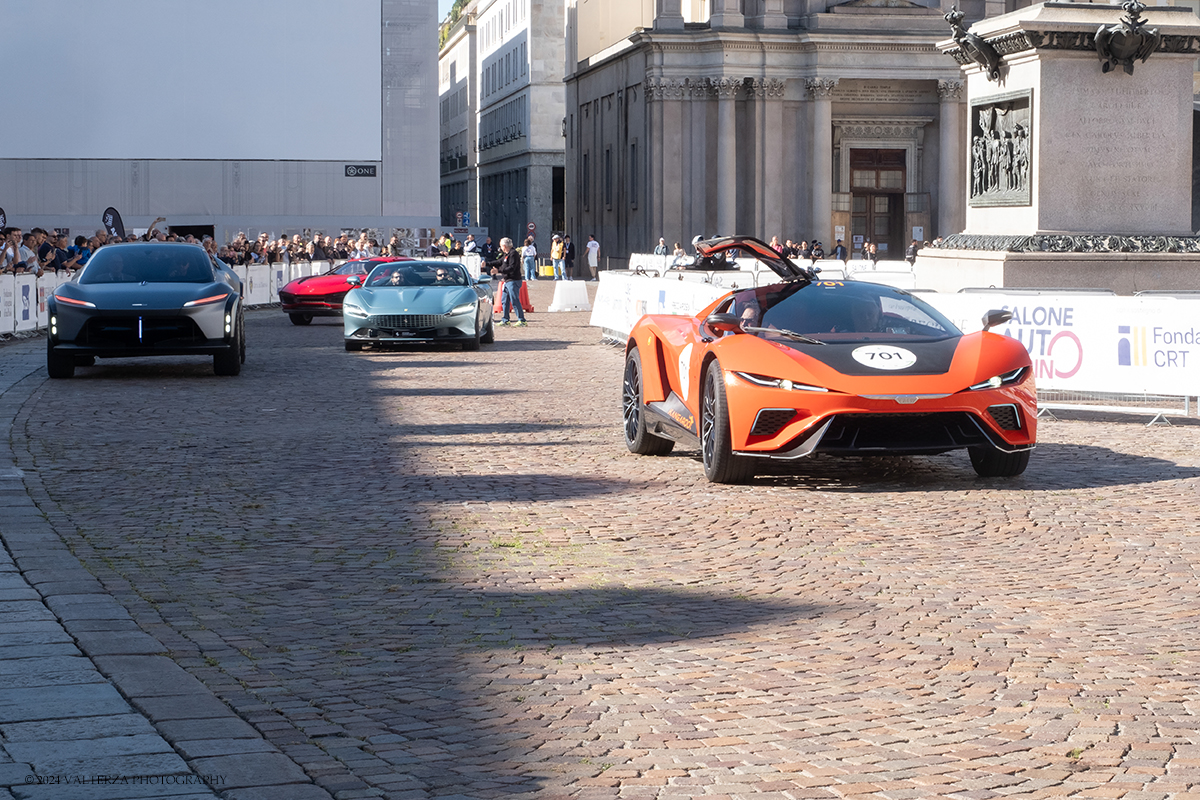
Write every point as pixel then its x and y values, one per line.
pixel 152 264
pixel 843 310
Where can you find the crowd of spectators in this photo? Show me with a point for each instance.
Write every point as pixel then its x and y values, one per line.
pixel 40 251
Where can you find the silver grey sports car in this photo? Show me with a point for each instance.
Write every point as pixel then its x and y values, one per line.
pixel 146 299
pixel 418 301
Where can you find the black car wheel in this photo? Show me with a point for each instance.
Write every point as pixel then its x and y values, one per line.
pixel 300 319
pixel 353 347
pixel 59 365
pixel 229 362
pixel 637 438
pixel 489 335
pixel 720 464
pixel 992 463
pixel 472 344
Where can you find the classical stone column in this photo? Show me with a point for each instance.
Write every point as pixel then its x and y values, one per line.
pixel 771 15
pixel 654 93
pixel 952 189
pixel 668 15
pixel 726 14
pixel 768 106
pixel 726 90
pixel 821 91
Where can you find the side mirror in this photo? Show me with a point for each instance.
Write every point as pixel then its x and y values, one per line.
pixel 723 323
pixel 354 280
pixel 996 317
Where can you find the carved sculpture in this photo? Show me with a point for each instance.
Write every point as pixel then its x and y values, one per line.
pixel 974 46
pixel 1001 150
pixel 1127 40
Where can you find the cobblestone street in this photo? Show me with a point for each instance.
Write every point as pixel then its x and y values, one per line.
pixel 432 573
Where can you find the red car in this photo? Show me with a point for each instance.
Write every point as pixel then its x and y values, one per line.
pixel 321 295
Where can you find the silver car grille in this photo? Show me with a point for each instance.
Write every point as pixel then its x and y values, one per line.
pixel 405 321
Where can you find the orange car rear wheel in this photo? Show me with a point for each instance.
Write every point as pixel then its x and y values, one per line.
pixel 637 438
pixel 720 464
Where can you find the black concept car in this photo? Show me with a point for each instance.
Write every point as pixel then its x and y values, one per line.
pixel 136 299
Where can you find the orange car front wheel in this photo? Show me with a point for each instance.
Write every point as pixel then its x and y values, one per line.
pixel 720 464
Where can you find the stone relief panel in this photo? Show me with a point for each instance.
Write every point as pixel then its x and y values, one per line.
pixel 1002 150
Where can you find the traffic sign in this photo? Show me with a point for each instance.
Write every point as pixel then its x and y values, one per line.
pixel 531 227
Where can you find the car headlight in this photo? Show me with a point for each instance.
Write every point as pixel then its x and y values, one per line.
pixel 778 383
pixel 351 310
pixel 465 308
pixel 72 301
pixel 996 381
pixel 212 298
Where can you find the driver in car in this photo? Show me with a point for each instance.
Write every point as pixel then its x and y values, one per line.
pixel 443 277
pixel 397 278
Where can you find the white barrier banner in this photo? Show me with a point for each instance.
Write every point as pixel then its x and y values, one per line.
pixel 279 277
pixel 25 297
pixel 45 287
pixel 8 304
pixel 258 285
pixel 1087 343
pixel 622 298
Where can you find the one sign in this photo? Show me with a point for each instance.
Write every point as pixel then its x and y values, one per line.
pixel 459 217
pixel 919 233
pixel 839 232
pixel 858 240
pixel 112 222
pixel 531 227
pixel 466 220
pixel 360 170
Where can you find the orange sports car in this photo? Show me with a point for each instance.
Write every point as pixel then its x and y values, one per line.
pixel 836 367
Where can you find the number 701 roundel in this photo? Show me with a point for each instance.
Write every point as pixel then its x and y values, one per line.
pixel 884 356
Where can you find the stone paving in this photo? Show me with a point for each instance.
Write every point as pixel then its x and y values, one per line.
pixel 439 574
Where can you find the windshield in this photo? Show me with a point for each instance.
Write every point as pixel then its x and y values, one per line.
pixel 418 273
pixel 833 311
pixel 353 268
pixel 168 263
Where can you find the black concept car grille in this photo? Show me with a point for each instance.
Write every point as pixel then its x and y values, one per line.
pixel 133 331
pixel 287 297
pixel 771 420
pixel 1006 417
pixel 901 433
pixel 405 321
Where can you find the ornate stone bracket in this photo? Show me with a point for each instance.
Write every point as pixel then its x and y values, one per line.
pixel 821 88
pixel 973 46
pixel 1127 41
pixel 950 91
pixel 1071 244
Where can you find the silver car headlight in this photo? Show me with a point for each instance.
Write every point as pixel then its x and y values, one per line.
pixel 996 381
pixel 351 310
pixel 465 308
pixel 778 383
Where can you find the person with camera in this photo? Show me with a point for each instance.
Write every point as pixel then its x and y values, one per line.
pixel 508 267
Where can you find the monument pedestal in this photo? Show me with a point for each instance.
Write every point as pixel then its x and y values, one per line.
pixel 947 270
pixel 1078 173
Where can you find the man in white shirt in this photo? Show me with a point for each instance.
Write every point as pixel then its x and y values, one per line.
pixel 469 245
pixel 593 254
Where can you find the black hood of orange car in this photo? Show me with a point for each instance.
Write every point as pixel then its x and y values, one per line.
pixel 933 358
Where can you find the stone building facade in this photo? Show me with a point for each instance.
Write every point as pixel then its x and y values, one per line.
pixel 502 140
pixel 802 119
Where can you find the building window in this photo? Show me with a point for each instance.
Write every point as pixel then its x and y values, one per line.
pixel 587 183
pixel 608 176
pixel 633 174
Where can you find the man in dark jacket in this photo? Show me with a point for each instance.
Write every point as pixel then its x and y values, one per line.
pixel 569 258
pixel 508 267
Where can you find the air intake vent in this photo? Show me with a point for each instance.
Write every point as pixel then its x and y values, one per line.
pixel 771 420
pixel 1006 417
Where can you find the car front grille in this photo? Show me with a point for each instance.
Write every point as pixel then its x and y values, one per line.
pixel 287 298
pixel 1006 417
pixel 771 420
pixel 404 321
pixel 901 433
pixel 134 331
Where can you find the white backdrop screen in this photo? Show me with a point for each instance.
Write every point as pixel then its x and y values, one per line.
pixel 177 79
